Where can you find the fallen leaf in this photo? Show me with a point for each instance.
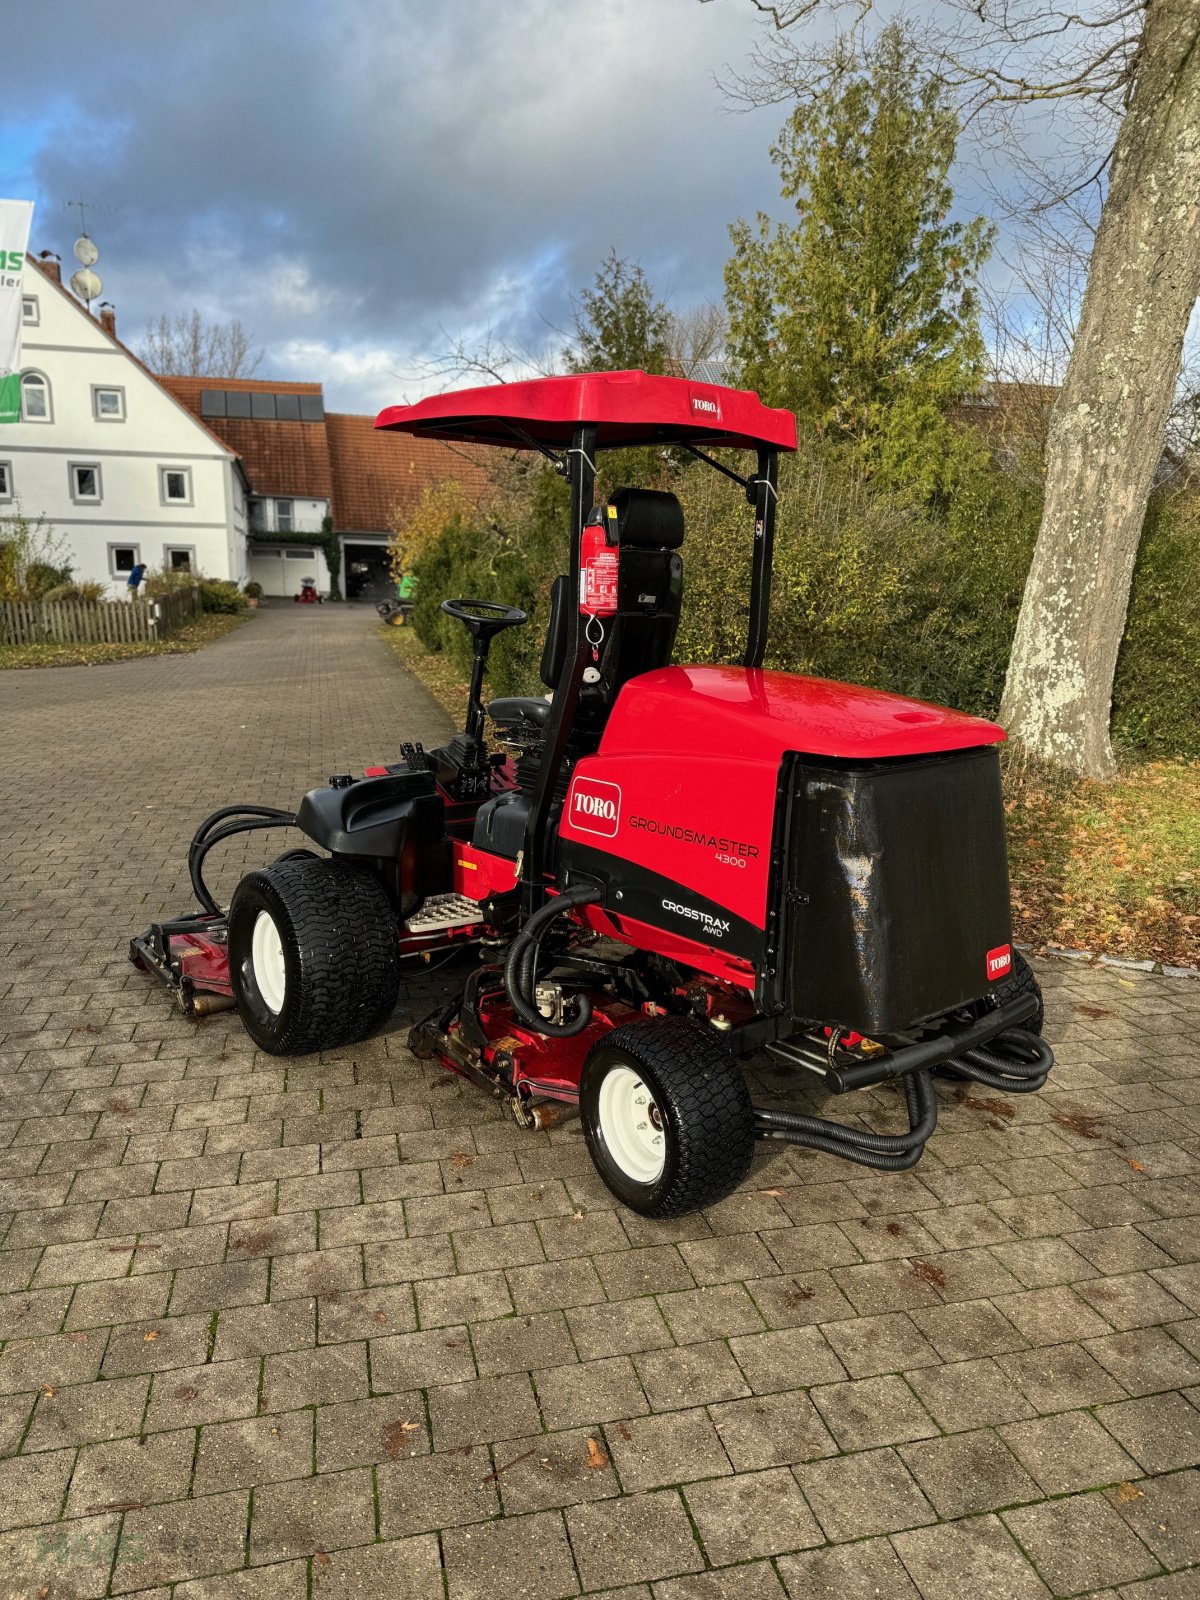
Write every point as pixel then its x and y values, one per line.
pixel 1136 1165
pixel 596 1459
pixel 577 1216
pixel 395 1436
pixel 1093 1011
pixel 926 1272
pixel 797 1295
pixel 895 1229
pixel 149 1338
pixel 460 1158
pixel 1127 1492
pixel 186 1391
pixel 624 1433
pixel 775 1193
pixel 380 1317
pixel 49 1391
pixel 320 1557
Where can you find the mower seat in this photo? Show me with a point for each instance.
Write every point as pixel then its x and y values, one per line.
pixel 518 711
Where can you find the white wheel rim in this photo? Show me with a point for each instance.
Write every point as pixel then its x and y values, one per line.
pixel 631 1124
pixel 266 957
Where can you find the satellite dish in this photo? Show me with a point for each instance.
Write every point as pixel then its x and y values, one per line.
pixel 85 251
pixel 86 284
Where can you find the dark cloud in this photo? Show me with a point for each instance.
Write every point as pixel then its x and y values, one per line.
pixel 360 181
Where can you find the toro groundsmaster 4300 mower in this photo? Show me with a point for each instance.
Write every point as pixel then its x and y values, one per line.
pixel 673 868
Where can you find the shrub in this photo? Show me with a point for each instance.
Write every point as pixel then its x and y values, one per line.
pixel 252 590
pixel 218 595
pixel 31 558
pixel 89 591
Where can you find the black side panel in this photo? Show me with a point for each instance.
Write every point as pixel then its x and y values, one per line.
pixel 896 888
pixel 554 651
pixel 397 824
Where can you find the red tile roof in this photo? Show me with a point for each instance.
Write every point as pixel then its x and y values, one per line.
pixel 367 475
pixel 281 458
pixel 379 474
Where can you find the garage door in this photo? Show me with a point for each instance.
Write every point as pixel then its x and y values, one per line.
pixel 280 570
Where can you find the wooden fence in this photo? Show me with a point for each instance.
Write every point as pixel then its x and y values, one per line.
pixel 97 621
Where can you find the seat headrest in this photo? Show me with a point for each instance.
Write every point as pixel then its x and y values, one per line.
pixel 649 519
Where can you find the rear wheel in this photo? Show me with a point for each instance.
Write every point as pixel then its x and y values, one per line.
pixel 666 1115
pixel 313 957
pixel 1019 982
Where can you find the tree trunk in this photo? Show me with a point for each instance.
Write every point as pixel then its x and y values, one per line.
pixel 1109 424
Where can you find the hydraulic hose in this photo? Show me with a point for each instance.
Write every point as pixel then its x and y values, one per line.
pixel 520 966
pixel 1022 1067
pixel 883 1151
pixel 209 834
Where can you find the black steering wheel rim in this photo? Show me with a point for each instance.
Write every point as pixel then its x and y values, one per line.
pixel 505 616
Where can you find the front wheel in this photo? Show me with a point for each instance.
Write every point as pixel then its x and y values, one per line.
pixel 1019 983
pixel 666 1115
pixel 313 957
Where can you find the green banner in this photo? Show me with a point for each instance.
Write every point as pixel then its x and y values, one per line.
pixel 10 398
pixel 15 217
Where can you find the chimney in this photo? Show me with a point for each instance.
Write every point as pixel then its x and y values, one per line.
pixel 51 265
pixel 108 318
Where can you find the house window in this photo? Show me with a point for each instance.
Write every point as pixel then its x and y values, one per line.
pixel 35 398
pixel 122 558
pixel 85 482
pixel 258 516
pixel 175 485
pixel 283 516
pixel 179 557
pixel 6 489
pixel 108 405
pixel 30 315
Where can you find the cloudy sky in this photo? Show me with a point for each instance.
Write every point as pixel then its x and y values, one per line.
pixel 364 184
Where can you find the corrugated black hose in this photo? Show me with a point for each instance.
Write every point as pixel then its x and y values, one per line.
pixel 887 1152
pixel 1021 1068
pixel 520 966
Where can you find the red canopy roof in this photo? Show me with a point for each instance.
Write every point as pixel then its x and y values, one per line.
pixel 628 408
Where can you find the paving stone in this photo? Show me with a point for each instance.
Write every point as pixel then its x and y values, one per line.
pixel 859 1495
pixel 868 1570
pixel 869 1346
pixel 416 1360
pixel 1161 1432
pixel 526 1557
pixel 155 1346
pixel 360 1432
pixel 1134 1300
pixel 966 1329
pixel 401 1569
pixel 693 1374
pixel 213 1393
pixel 407 1260
pixel 1060 1377
pixel 327 1513
pixel 1068 1452
pixel 442 1302
pixel 968 1473
pixel 751 1514
pixel 266 1330
pixel 872 1411
pixel 480 1412
pixel 753 1581
pixel 32 1487
pixel 349 1314
pixel 1145 1360
pixel 315 1377
pixel 650 1452
pixel 139 1471
pixel 286 1580
pixel 186 1539
pixel 214 1288
pixel 976 1557
pixel 556 1469
pixel 88 1412
pixel 1051 1316
pixel 1165 1515
pixel 233 1455
pixel 436 1491
pixel 1080 1543
pixel 73 1557
pixel 589 1392
pixel 786 1359
pixel 520 1344
pixel 638 1537
pixel 772 1430
pixel 622 1329
pixel 117 1300
pixel 969 1394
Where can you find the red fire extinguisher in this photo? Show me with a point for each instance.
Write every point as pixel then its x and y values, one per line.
pixel 598 567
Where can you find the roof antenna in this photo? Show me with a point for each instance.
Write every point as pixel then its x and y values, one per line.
pixel 87 285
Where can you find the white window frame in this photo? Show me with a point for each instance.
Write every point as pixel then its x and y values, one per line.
pixel 113 568
pixel 29 302
pixel 171 500
pixel 6 486
pixel 85 499
pixel 291 527
pixel 33 372
pixel 174 549
pixel 108 388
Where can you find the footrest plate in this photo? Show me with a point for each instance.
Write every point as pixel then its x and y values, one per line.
pixel 444 911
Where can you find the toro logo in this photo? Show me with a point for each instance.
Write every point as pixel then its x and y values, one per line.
pixel 999 962
pixel 595 806
pixel 709 407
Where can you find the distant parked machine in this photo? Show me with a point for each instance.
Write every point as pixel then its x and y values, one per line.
pixel 309 594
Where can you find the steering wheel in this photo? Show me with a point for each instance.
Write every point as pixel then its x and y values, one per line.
pixel 496 617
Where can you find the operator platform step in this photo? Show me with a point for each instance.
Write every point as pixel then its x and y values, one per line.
pixel 443 911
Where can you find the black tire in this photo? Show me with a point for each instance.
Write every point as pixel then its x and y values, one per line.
pixel 340 960
pixel 700 1104
pixel 1019 982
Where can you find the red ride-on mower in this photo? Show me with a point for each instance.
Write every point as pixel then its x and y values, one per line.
pixel 309 594
pixel 674 868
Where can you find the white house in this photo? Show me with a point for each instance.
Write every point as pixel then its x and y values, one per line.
pixel 121 469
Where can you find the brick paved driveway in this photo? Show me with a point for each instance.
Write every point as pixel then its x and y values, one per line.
pixel 334 1328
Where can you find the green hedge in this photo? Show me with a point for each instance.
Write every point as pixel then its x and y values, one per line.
pixel 869 586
